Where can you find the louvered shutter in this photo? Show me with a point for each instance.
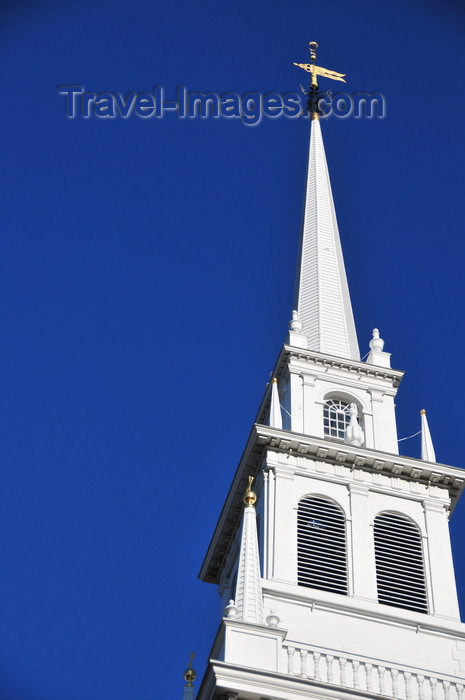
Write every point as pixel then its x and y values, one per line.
pixel 400 572
pixel 321 545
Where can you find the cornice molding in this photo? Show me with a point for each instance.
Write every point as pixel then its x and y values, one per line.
pixel 451 478
pixel 263 437
pixel 354 366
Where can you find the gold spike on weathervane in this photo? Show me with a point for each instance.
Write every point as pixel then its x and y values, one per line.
pixel 189 674
pixel 249 496
pixel 316 70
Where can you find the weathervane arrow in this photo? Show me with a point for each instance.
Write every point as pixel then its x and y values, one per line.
pixel 324 72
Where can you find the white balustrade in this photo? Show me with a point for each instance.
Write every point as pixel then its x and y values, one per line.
pixel 347 672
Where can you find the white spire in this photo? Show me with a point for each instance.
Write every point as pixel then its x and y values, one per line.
pixel 276 420
pixel 322 294
pixel 249 597
pixel 427 449
pixel 189 692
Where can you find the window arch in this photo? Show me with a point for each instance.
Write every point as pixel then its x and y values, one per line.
pixel 336 418
pixel 400 571
pixel 321 545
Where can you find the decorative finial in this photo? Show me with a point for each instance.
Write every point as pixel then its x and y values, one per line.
pixel 313 47
pixel 249 496
pixel 422 412
pixel 231 610
pixel 296 324
pixel 272 620
pixel 376 343
pixel 314 96
pixel 189 674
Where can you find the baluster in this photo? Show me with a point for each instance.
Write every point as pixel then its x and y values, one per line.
pixel 369 680
pixel 408 685
pixel 311 672
pixel 421 687
pixel 342 671
pixel 382 680
pixel 290 660
pixel 446 687
pixel 355 667
pixel 395 682
pixel 329 668
pixel 303 663
pixel 316 663
pixel 434 688
pixel 460 691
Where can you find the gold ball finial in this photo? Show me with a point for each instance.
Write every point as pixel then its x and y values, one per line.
pixel 189 674
pixel 422 412
pixel 313 47
pixel 249 496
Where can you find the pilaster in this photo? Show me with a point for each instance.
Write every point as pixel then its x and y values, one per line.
pixel 384 421
pixel 284 565
pixel 296 400
pixel 361 544
pixel 441 567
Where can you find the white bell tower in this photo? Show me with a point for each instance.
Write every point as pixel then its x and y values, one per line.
pixel 336 571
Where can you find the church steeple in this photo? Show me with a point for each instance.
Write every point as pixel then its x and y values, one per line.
pixel 322 297
pixel 348 591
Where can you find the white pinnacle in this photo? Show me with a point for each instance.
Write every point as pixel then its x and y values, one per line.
pixel 276 420
pixel 427 449
pixel 322 295
pixel 249 597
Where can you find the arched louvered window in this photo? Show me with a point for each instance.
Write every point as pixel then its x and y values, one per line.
pixel 321 545
pixel 336 418
pixel 400 572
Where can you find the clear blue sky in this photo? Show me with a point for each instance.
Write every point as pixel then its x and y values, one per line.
pixel 146 278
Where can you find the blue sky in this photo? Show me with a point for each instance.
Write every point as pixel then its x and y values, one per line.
pixel 146 279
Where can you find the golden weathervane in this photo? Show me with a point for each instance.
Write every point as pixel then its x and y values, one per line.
pixel 316 70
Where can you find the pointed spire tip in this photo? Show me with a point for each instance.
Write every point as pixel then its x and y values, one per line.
pixel 275 418
pixel 427 448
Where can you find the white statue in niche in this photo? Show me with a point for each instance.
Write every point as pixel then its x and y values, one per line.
pixel 354 433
